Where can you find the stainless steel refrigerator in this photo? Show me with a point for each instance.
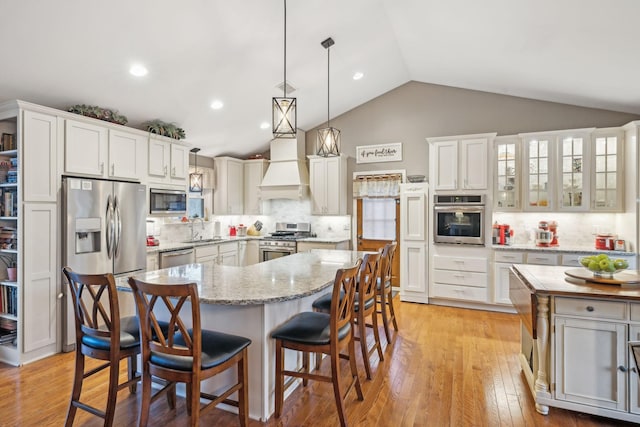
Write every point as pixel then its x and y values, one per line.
pixel 104 232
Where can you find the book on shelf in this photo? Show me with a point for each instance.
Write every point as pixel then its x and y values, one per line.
pixel 8 142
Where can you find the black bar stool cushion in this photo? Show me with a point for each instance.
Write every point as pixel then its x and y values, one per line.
pixel 129 335
pixel 308 328
pixel 323 303
pixel 217 348
pixel 387 283
pixel 367 304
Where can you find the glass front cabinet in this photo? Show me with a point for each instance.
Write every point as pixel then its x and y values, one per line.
pixel 507 173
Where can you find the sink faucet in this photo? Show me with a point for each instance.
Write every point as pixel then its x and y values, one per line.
pixel 195 234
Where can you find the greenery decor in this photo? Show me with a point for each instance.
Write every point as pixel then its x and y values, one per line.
pixel 165 129
pixel 99 113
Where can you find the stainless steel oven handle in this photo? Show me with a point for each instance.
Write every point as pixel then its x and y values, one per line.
pixel 459 208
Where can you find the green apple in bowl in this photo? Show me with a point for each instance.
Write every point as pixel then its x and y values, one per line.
pixel 603 266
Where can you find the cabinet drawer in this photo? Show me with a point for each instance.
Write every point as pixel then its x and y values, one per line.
pixel 464 278
pixel 228 247
pixel 571 260
pixel 543 259
pixel 616 310
pixel 635 312
pixel 460 263
pixel 441 290
pixel 205 251
pixel 508 256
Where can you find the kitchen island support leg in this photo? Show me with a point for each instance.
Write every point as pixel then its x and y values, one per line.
pixel 542 344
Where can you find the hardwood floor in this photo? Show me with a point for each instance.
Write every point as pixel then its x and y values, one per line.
pixel 446 367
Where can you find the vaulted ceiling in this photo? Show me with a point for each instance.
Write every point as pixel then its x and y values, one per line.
pixel 66 52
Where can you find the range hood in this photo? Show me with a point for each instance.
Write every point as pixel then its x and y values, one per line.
pixel 287 176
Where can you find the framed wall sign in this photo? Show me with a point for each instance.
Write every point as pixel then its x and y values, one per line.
pixel 379 153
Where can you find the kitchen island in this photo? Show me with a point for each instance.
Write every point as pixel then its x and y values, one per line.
pixel 574 341
pixel 251 301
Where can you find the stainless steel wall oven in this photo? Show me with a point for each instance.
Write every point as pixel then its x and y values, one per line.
pixel 458 219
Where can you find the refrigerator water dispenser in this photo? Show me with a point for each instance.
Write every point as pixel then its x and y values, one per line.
pixel 88 235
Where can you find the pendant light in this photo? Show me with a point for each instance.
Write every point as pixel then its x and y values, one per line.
pixel 328 139
pixel 284 114
pixel 195 179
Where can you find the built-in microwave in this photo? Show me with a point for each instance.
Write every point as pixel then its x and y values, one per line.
pixel 162 201
pixel 458 219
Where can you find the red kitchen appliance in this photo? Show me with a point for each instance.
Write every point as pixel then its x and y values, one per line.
pixel 152 241
pixel 605 242
pixel 502 234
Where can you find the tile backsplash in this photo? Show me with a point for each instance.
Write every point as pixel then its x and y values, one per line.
pixel 170 229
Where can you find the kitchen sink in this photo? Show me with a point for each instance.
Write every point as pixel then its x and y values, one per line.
pixel 214 239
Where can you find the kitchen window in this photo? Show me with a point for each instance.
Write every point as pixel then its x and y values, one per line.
pixel 379 219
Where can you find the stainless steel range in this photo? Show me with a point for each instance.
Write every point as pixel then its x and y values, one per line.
pixel 283 241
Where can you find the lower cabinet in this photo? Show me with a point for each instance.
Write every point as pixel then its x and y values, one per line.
pixel 228 253
pixel 459 278
pixel 217 254
pixel 593 369
pixel 307 246
pixel 248 252
pixel 152 262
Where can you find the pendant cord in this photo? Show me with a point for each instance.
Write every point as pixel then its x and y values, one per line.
pixel 328 83
pixel 285 48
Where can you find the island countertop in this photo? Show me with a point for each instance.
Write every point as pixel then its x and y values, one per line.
pixel 552 280
pixel 282 279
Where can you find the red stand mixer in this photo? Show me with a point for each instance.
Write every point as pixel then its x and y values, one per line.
pixel 547 234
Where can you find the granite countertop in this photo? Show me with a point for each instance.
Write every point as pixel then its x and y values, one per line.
pixel 282 279
pixel 174 246
pixel 568 249
pixel 552 280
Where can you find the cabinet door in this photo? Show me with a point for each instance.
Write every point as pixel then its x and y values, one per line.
pixel 228 258
pixel 333 186
pixel 413 208
pixel 507 175
pixel 235 187
pixel 125 155
pixel 474 163
pixel 413 261
pixel 159 154
pixel 574 173
pixel 607 190
pixel 38 157
pixel 501 284
pixel 318 186
pixel 590 359
pixel 179 163
pixel 445 165
pixel 253 172
pixel 40 276
pixel 152 262
pixel 85 149
pixel 537 170
pixel 634 377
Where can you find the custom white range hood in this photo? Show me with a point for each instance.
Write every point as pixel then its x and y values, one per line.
pixel 287 176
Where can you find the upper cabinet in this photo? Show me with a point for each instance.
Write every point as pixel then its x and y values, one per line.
pixel 574 170
pixel 254 170
pixel 94 150
pixel 328 185
pixel 507 173
pixel 228 196
pixel 460 163
pixel 39 174
pixel 168 162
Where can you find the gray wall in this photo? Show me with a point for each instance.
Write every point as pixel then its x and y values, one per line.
pixel 415 111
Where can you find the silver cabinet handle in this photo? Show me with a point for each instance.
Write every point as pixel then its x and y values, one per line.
pixel 60 295
pixel 622 368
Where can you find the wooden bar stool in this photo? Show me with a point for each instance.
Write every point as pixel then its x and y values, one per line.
pixel 364 308
pixel 384 294
pixel 327 333
pixel 101 334
pixel 178 354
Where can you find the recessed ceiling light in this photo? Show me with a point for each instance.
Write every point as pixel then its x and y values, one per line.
pixel 264 125
pixel 358 75
pixel 138 70
pixel 217 104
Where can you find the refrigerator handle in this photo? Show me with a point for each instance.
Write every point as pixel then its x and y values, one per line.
pixel 109 221
pixel 117 227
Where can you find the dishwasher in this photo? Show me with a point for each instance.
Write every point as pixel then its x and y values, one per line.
pixel 177 257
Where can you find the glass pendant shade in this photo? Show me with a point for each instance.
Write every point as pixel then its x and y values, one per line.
pixel 328 142
pixel 284 117
pixel 195 179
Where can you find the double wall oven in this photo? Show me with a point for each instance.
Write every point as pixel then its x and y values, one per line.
pixel 458 219
pixel 283 241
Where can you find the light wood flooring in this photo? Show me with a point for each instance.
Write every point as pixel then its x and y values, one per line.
pixel 446 367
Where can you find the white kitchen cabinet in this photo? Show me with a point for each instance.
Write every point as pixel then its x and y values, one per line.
pixel 97 151
pixel 152 262
pixel 413 242
pixel 228 253
pixel 328 184
pixel 168 162
pixel 507 173
pixel 634 376
pixel 590 353
pixel 207 255
pixel 460 163
pixel 39 174
pixel 228 196
pixel 248 252
pixel 459 278
pixel 309 246
pixel 85 148
pixel 254 170
pixel 607 177
pixel 503 260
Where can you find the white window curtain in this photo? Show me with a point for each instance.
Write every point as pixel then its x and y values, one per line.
pixel 376 186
